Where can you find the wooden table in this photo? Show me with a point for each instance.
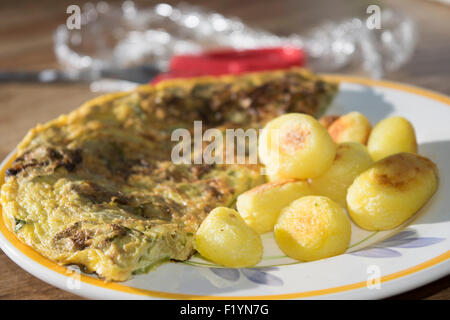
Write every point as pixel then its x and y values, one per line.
pixel 26 29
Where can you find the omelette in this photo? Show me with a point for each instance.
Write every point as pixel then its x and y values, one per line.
pixel 97 188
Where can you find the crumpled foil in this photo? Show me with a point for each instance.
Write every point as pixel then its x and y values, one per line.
pixel 112 36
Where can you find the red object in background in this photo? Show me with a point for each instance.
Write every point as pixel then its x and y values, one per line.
pixel 232 61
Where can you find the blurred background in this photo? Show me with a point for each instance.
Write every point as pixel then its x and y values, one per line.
pixel 412 46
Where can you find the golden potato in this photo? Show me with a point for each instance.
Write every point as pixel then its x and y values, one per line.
pixel 327 121
pixel 274 178
pixel 224 238
pixel 312 228
pixel 352 127
pixel 390 136
pixel 391 191
pixel 351 159
pixel 296 146
pixel 261 206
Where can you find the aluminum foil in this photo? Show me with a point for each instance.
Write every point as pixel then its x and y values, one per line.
pixel 128 36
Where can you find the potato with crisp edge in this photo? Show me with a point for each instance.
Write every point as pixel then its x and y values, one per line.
pixel 391 191
pixel 390 136
pixel 351 159
pixel 352 127
pixel 327 121
pixel 261 206
pixel 312 228
pixel 225 239
pixel 296 146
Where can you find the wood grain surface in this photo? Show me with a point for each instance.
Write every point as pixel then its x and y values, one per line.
pixel 26 29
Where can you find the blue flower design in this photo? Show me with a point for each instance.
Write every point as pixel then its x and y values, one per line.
pixel 227 273
pixel 404 239
pixel 261 276
pixel 256 275
pixel 377 253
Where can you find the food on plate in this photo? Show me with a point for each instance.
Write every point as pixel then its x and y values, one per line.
pixel 390 136
pixel 327 120
pixel 351 159
pixel 261 206
pixel 225 239
pixel 351 127
pixel 312 228
pixel 296 146
pixel 98 188
pixel 274 178
pixel 391 191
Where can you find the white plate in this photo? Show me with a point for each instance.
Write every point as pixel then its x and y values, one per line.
pixel 377 264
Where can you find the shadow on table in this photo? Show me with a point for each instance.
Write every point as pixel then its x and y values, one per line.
pixel 432 291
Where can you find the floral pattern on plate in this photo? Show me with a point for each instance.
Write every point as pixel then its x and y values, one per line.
pixel 403 239
pixel 259 276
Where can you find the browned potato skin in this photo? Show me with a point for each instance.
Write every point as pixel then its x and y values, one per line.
pixel 299 147
pixel 391 191
pixel 351 127
pixel 327 121
pixel 312 228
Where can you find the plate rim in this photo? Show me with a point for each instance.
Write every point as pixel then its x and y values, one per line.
pixel 12 243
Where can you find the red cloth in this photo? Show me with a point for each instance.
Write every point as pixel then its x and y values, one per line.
pixel 231 61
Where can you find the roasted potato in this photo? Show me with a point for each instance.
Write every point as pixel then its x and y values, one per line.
pixel 261 206
pixel 390 136
pixel 352 127
pixel 275 178
pixel 391 191
pixel 351 159
pixel 296 146
pixel 225 239
pixel 327 121
pixel 312 228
